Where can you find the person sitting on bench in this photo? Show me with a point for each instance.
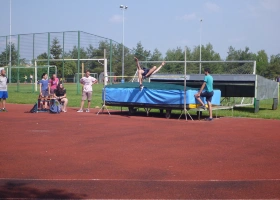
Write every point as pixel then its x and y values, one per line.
pixel 60 95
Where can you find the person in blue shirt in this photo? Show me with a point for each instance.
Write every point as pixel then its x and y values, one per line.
pixel 207 93
pixel 3 90
pixel 44 90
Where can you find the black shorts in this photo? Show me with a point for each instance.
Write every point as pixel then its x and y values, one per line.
pixel 208 95
pixel 145 71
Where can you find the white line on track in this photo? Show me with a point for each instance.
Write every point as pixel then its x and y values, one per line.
pixel 141 180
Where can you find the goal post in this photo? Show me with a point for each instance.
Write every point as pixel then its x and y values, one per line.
pixel 78 76
pixel 26 77
pixel 102 61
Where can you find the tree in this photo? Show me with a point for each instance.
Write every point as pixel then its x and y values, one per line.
pixel 274 68
pixel 262 62
pixel 207 54
pixel 174 55
pixel 240 68
pixel 140 53
pixel 4 56
pixel 56 49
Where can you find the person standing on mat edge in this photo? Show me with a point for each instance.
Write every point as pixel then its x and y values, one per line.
pixel 144 73
pixel 87 82
pixel 3 90
pixel 208 93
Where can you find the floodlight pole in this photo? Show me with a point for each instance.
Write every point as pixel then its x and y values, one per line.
pixel 123 9
pixel 200 49
pixel 10 43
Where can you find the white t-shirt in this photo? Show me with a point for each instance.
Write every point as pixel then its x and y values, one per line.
pixel 3 83
pixel 87 82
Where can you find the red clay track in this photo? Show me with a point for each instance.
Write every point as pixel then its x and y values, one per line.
pixel 84 155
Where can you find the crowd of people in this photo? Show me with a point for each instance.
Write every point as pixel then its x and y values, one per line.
pixel 53 89
pixel 50 90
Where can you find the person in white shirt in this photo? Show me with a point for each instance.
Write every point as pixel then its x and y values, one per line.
pixel 87 82
pixel 3 90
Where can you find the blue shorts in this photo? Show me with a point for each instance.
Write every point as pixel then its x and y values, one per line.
pixel 45 93
pixel 208 95
pixel 3 94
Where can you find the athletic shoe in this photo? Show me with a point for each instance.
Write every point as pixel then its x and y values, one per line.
pixel 63 110
pixel 87 110
pixel 208 119
pixel 4 110
pixel 141 87
pixel 202 107
pixel 80 110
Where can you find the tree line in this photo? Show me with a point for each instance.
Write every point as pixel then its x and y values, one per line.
pixel 268 67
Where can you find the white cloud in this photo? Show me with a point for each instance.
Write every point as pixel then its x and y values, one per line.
pixel 188 17
pixel 116 19
pixel 212 7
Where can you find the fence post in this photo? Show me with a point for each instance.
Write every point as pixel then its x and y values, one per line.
pixel 63 58
pixel 33 59
pixel 111 54
pixel 78 85
pixel 18 53
pixel 49 42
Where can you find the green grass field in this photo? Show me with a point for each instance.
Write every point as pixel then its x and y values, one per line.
pixel 25 94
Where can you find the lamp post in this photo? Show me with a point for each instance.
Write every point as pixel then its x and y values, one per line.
pixel 10 43
pixel 200 48
pixel 123 9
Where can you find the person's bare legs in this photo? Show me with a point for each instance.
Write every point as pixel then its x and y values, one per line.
pixel 4 103
pixel 65 102
pixel 151 71
pixel 198 98
pixel 140 71
pixel 82 104
pixel 154 69
pixel 88 105
pixel 210 109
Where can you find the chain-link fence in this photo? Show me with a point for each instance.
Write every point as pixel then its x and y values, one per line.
pixel 66 50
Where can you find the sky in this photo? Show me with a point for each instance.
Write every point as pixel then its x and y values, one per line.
pixel 157 24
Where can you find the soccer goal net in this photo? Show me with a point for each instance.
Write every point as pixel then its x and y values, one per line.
pixel 78 76
pixel 25 79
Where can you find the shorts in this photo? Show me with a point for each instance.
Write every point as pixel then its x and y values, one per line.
pixel 146 71
pixel 86 96
pixel 208 95
pixel 45 93
pixel 3 94
pixel 52 91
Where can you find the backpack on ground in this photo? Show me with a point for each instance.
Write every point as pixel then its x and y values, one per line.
pixel 54 108
pixel 34 109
